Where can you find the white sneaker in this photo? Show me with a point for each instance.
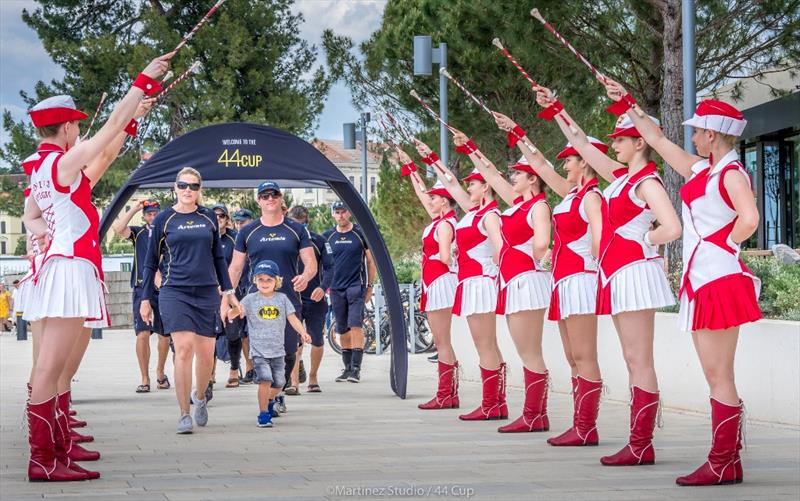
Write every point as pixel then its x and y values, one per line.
pixel 185 425
pixel 200 410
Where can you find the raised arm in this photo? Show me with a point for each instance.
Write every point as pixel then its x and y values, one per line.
pixel 675 156
pixel 417 183
pixel 602 164
pixel 95 170
pixel 85 152
pixel 534 157
pixel 447 178
pixel 120 226
pixel 486 168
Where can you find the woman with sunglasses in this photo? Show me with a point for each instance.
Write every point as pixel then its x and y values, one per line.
pixel 439 282
pixel 479 240
pixel 187 249
pixel 632 282
pixel 577 225
pixel 524 286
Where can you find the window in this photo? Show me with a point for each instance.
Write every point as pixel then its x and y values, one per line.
pixel 2 247
pixel 309 190
pixel 372 184
pixel 126 267
pixel 3 227
pixel 22 227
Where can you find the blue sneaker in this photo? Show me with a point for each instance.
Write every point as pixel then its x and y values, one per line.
pixel 264 420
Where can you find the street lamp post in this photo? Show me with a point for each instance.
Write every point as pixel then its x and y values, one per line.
pixel 350 133
pixel 424 57
pixel 689 76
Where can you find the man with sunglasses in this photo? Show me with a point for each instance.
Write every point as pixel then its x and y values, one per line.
pixel 140 236
pixel 285 242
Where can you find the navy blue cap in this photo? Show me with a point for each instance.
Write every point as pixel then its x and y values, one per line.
pixel 267 267
pixel 268 185
pixel 150 206
pixel 220 207
pixel 242 214
pixel 338 205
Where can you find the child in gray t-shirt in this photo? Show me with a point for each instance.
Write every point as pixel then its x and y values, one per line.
pixel 267 312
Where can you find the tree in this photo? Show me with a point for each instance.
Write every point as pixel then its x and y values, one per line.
pixel 254 67
pixel 637 43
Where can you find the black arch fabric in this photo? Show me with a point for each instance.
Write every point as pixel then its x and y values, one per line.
pixel 242 155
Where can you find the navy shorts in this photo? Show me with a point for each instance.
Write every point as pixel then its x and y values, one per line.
pixel 291 338
pixel 348 307
pixel 187 308
pixel 314 313
pixel 139 325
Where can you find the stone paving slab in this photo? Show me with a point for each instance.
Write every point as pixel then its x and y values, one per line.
pixel 357 441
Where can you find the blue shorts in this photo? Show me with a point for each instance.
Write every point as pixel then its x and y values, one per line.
pixel 187 308
pixel 348 307
pixel 314 313
pixel 139 325
pixel 270 370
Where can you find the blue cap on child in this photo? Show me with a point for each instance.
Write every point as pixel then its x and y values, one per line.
pixel 267 267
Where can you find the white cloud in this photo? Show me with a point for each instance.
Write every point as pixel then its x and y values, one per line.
pixel 354 18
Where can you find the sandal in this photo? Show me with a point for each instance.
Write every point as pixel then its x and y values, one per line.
pixel 313 388
pixel 163 383
pixel 233 382
pixel 143 388
pixel 292 390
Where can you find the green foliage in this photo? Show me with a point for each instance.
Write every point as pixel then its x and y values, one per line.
pixel 320 218
pixel 407 271
pixel 21 248
pixel 780 287
pixel 254 67
pixel 11 194
pixel 119 246
pixel 398 212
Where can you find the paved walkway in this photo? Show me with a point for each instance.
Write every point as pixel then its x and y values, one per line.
pixel 356 441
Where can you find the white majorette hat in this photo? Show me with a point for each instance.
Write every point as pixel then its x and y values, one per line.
pixel 625 127
pixel 718 116
pixel 439 189
pixel 55 110
pixel 476 175
pixel 523 165
pixel 570 150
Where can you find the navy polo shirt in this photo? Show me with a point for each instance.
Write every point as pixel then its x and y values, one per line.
pixel 140 236
pixel 281 243
pixel 348 250
pixel 187 249
pixel 324 264
pixel 228 241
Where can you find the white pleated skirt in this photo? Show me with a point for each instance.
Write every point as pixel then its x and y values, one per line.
pixel 476 295
pixel 23 292
pixel 68 288
pixel 639 286
pixel 527 291
pixel 575 295
pixel 441 294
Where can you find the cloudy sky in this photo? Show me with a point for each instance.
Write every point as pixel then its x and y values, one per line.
pixel 24 60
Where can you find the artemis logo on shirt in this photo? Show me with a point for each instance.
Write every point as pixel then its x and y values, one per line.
pixel 191 225
pixel 343 240
pixel 269 312
pixel 272 237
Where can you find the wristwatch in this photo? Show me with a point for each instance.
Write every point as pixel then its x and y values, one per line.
pixel 369 285
pixel 229 292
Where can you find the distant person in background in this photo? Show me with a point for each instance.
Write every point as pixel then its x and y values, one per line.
pixel 315 309
pixel 239 341
pixel 6 307
pixel 140 236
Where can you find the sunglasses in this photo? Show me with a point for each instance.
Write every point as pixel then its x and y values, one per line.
pixel 269 194
pixel 221 215
pixel 182 185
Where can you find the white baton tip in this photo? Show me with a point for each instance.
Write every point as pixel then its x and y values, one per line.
pixel 443 71
pixel 414 93
pixel 535 13
pixel 496 42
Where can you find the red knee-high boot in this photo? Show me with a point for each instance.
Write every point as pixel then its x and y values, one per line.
pixel 493 402
pixel 534 411
pixel 720 469
pixel 43 465
pixel 587 406
pixel 62 444
pixel 644 411
pixel 447 393
pixel 74 451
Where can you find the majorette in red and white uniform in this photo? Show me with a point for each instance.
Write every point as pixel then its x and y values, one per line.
pixel 477 273
pixel 69 281
pixel 632 276
pixel 25 285
pixel 574 267
pixel 524 284
pixel 717 290
pixel 439 281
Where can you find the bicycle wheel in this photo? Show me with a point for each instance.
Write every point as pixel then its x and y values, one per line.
pixel 424 336
pixel 333 338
